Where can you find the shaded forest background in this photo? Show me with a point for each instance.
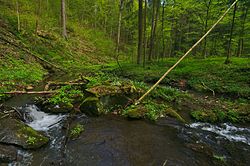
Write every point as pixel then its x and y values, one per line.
pixel 170 27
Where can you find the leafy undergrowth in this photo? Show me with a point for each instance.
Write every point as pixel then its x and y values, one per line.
pixel 203 75
pixel 18 65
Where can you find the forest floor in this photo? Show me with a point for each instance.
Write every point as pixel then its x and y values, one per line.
pixel 211 90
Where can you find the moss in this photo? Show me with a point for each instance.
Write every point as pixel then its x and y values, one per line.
pixel 216 115
pixel 32 137
pixel 135 112
pixel 92 106
pixel 76 131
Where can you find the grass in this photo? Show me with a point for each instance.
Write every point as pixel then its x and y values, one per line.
pixel 203 75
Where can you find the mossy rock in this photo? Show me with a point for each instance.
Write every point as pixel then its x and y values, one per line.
pixel 136 112
pixel 15 132
pixel 59 108
pixel 92 106
pixel 75 131
pixel 104 90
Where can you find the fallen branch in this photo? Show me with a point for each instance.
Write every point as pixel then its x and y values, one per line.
pixel 31 92
pixel 49 84
pixel 208 88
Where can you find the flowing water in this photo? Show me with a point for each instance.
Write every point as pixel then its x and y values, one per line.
pixel 112 140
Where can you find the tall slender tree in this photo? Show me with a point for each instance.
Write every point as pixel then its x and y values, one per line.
pixel 18 16
pixel 231 35
pixel 242 32
pixel 63 19
pixel 145 32
pixel 207 4
pixel 140 32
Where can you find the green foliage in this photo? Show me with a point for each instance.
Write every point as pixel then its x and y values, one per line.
pixel 66 95
pixel 219 158
pixel 229 79
pixel 215 116
pixel 233 116
pixel 154 111
pixel 76 131
pixel 31 140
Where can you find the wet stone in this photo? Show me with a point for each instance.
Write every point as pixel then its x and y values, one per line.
pixel 7 153
pixel 15 132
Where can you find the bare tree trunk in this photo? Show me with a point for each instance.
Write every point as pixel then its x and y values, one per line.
pixel 145 32
pixel 38 12
pixel 140 31
pixel 63 19
pixel 241 40
pixel 18 16
pixel 231 35
pixel 156 5
pixel 119 28
pixel 162 29
pixel 152 32
pixel 204 53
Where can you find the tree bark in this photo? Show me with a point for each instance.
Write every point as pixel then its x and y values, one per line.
pixel 156 5
pixel 38 13
pixel 140 32
pixel 241 40
pixel 63 19
pixel 119 28
pixel 162 29
pixel 231 35
pixel 18 16
pixel 145 33
pixel 204 53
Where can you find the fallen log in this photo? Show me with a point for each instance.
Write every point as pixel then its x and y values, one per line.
pixel 49 84
pixel 29 92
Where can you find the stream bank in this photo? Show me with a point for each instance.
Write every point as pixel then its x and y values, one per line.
pixel 153 139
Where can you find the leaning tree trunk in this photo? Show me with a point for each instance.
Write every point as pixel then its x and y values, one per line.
pixel 140 32
pixel 230 38
pixel 63 19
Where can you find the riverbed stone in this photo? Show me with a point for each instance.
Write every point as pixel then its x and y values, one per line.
pixel 58 108
pixel 7 153
pixel 16 132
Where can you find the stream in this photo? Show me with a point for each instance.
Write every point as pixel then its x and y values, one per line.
pixel 113 140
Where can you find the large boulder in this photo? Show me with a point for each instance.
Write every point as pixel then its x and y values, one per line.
pixel 92 106
pixel 136 112
pixel 16 132
pixel 105 98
